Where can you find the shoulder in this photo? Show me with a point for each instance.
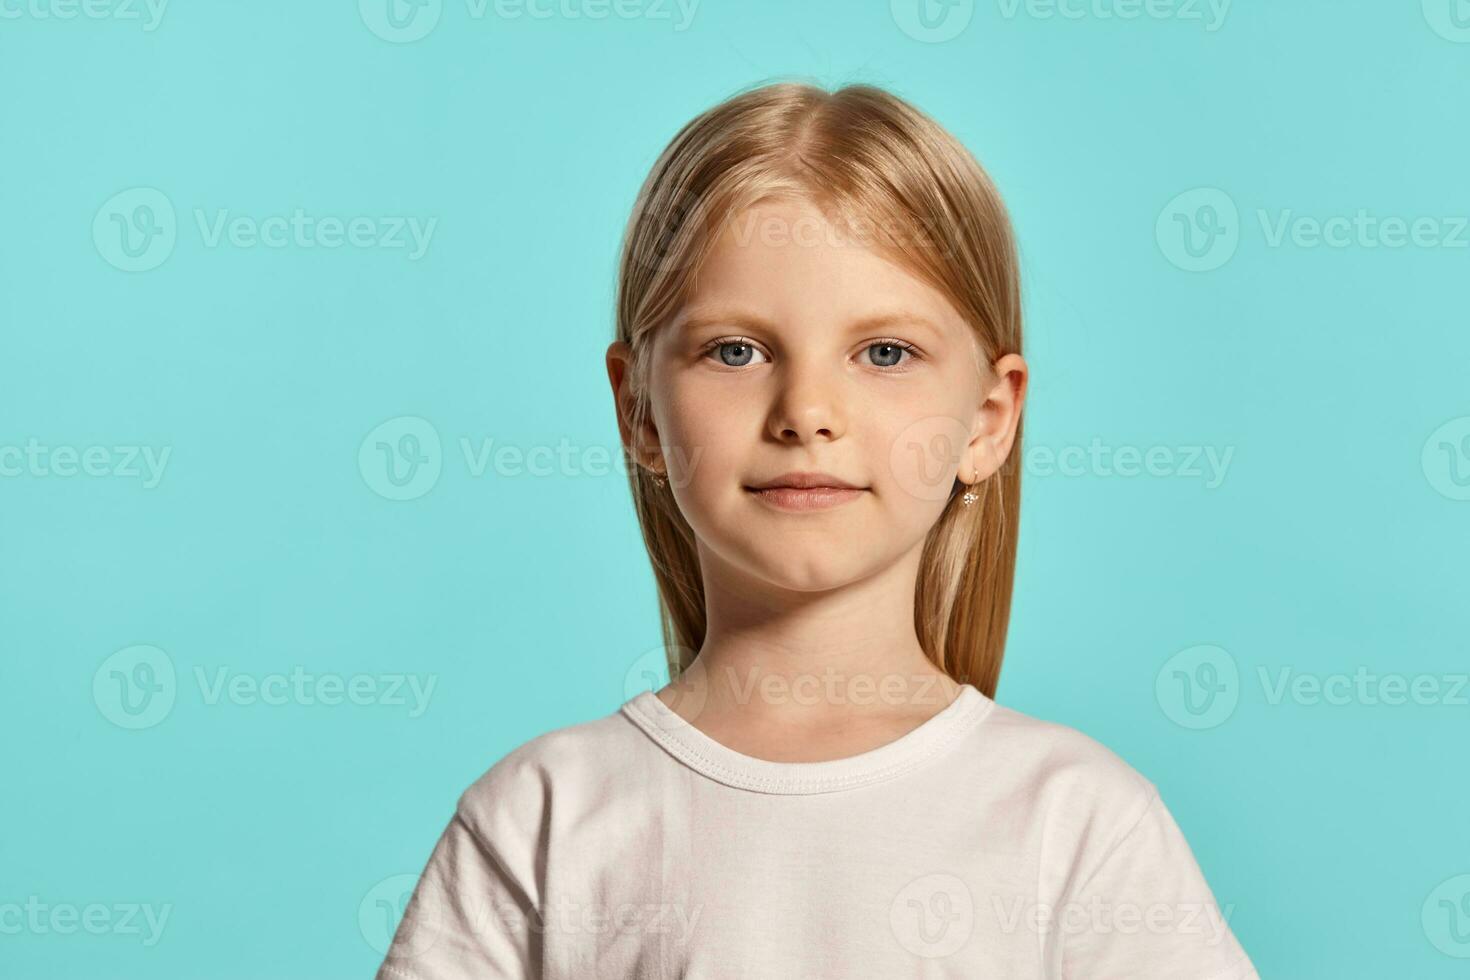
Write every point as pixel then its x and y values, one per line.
pixel 1072 777
pixel 573 763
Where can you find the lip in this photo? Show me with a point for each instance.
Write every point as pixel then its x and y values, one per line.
pixel 806 498
pixel 805 491
pixel 805 480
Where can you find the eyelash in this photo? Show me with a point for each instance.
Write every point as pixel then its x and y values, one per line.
pixel 904 345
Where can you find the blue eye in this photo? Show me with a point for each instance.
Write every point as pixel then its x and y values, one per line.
pixel 891 354
pixel 740 352
pixel 736 352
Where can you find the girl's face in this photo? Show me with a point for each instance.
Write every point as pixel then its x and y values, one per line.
pixel 802 350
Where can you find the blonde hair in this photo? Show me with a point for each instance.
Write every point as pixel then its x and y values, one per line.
pixel 865 155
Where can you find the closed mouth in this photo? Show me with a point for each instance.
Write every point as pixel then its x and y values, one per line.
pixel 789 498
pixel 805 481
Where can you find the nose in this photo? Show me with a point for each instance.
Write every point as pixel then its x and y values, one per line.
pixel 808 405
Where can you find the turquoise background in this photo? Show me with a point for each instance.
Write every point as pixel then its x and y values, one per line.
pixel 1335 377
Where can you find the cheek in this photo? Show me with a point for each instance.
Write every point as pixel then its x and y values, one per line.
pixel 920 449
pixel 706 432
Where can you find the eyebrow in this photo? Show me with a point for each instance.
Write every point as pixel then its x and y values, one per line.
pixel 701 319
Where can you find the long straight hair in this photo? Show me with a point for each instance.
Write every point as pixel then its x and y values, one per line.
pixel 873 159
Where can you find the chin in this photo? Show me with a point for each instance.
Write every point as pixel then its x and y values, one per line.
pixel 796 570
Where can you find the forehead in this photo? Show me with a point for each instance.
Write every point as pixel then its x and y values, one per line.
pixel 786 262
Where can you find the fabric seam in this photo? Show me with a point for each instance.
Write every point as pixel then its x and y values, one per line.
pixel 1153 797
pixel 817 784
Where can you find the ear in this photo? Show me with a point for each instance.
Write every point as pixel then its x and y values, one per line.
pixel 642 447
pixel 997 417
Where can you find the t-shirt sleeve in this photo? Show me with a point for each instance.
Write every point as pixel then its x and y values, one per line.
pixel 469 916
pixel 1145 910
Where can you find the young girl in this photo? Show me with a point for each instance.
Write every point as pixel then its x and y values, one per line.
pixel 818 376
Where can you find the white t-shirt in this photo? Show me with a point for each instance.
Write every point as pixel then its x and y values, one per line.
pixel 984 843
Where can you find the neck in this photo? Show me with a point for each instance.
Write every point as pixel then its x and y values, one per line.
pixel 805 656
